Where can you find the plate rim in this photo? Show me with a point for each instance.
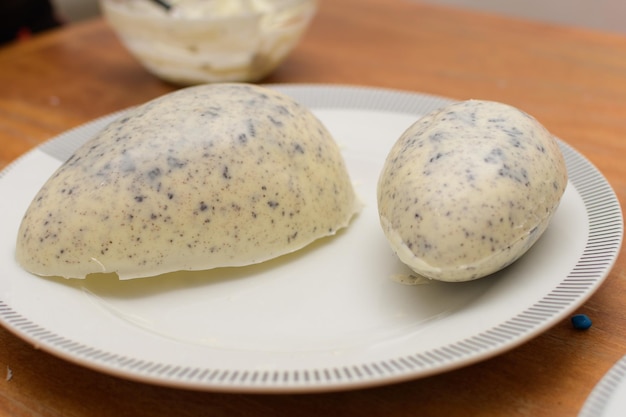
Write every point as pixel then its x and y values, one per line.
pixel 597 401
pixel 583 280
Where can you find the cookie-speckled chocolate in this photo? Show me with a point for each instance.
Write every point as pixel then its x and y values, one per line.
pixel 468 189
pixel 209 176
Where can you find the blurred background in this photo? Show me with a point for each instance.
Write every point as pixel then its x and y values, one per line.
pixel 595 14
pixel 20 18
pixel 75 10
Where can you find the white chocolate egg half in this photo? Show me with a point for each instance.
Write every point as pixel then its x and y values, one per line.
pixel 468 189
pixel 208 176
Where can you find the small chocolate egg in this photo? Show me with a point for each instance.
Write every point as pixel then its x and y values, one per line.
pixel 468 189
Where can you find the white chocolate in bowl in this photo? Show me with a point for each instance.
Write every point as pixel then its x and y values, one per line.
pixel 468 189
pixel 209 176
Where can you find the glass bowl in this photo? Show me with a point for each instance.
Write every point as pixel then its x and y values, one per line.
pixel 204 41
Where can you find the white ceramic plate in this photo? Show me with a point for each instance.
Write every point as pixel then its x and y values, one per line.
pixel 329 317
pixel 608 398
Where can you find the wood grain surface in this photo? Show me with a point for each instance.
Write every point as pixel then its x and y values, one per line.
pixel 573 80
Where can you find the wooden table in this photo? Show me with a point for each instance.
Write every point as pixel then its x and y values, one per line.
pixel 572 80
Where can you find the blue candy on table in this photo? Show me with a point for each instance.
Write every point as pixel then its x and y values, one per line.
pixel 581 321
